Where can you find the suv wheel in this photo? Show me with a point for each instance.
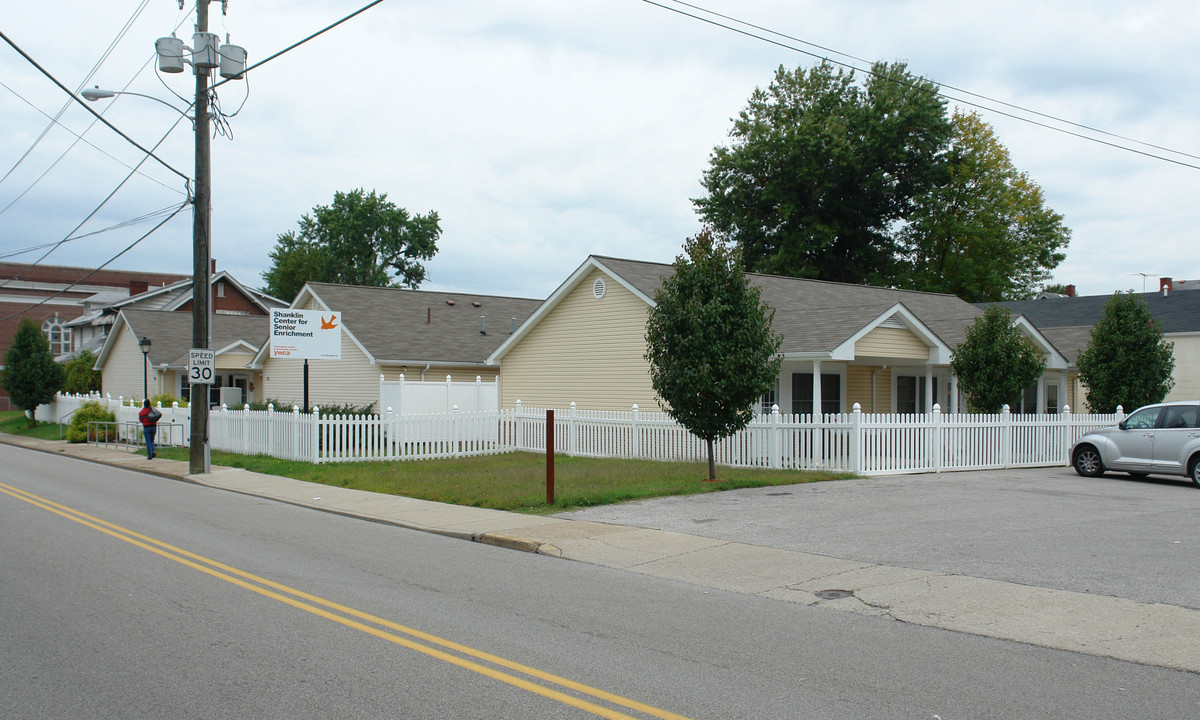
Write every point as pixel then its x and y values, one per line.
pixel 1087 462
pixel 1194 470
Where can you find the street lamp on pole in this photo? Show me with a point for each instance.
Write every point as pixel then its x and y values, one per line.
pixel 144 344
pixel 98 93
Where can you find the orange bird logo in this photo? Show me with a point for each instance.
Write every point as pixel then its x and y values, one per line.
pixel 329 324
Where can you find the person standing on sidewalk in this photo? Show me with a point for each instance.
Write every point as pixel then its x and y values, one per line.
pixel 149 418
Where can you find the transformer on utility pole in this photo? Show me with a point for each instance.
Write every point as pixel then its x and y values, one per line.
pixel 207 54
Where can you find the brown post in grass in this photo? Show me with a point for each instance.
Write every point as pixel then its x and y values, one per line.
pixel 549 457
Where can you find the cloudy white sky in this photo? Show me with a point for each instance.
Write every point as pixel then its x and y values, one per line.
pixel 543 131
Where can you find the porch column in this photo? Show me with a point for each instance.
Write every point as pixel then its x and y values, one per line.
pixel 928 388
pixel 1041 395
pixel 1063 391
pixel 816 388
pixel 953 394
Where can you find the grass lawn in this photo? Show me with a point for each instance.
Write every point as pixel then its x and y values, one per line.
pixel 514 481
pixel 14 422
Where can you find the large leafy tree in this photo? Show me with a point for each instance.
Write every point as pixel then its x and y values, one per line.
pixel 709 342
pixel 995 362
pixel 820 171
pixel 1127 362
pixel 359 239
pixel 30 375
pixel 985 233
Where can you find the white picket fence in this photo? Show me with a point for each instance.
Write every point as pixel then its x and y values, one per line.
pixel 852 442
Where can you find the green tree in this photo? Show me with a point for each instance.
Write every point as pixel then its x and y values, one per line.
pixel 359 239
pixel 995 362
pixel 80 375
pixel 30 375
pixel 1127 362
pixel 820 171
pixel 709 342
pixel 985 233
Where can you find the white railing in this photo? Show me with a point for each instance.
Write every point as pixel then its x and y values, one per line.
pixel 875 444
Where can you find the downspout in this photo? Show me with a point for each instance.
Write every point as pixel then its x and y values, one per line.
pixel 425 371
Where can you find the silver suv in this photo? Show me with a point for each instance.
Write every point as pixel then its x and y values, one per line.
pixel 1162 439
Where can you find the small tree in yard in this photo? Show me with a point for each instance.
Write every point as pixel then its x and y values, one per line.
pixel 710 346
pixel 30 375
pixel 1127 362
pixel 995 362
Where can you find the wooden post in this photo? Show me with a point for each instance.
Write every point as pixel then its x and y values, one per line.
pixel 549 457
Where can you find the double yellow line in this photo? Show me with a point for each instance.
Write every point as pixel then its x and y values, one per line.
pixel 513 673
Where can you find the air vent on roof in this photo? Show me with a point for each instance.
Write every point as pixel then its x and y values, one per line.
pixel 450 303
pixel 599 288
pixel 476 303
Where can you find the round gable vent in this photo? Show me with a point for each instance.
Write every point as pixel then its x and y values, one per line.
pixel 599 288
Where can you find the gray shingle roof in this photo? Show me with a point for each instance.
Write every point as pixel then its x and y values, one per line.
pixel 1178 311
pixel 1067 321
pixel 407 326
pixel 817 316
pixel 170 333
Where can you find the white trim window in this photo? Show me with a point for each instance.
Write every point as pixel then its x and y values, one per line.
pixel 58 334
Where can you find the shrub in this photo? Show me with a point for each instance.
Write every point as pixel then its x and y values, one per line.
pixel 90 412
pixel 167 399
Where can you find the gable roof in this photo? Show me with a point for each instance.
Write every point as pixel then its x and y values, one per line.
pixel 816 318
pixel 176 295
pixel 396 326
pixel 170 334
pixel 1179 312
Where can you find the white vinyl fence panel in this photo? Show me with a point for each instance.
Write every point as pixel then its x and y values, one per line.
pixel 419 397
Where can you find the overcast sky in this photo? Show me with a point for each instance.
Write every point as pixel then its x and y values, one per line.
pixel 542 131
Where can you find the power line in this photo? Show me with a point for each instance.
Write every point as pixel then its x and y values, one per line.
pixel 87 78
pixel 103 202
pixel 295 45
pixel 78 138
pixel 84 105
pixel 90 273
pixel 942 93
pixel 118 226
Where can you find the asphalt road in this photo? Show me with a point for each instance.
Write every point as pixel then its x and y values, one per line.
pixel 1047 527
pixel 129 596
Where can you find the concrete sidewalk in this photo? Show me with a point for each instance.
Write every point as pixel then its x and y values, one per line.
pixel 1145 633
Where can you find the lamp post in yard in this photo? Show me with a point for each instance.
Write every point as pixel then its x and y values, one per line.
pixel 144 344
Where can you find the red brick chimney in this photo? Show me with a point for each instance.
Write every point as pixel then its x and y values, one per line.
pixel 1165 285
pixel 137 287
pixel 1070 291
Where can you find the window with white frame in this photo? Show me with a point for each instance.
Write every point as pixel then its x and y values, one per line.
pixel 58 334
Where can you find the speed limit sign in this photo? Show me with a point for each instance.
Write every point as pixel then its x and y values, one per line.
pixel 202 365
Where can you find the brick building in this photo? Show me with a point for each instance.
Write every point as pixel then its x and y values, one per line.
pixel 55 296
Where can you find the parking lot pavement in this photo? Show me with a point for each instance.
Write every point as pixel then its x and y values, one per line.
pixel 1045 527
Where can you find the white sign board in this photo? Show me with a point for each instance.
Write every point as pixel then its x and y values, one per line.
pixel 202 365
pixel 306 334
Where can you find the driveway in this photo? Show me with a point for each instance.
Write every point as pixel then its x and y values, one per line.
pixel 1046 527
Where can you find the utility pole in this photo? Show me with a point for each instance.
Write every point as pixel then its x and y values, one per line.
pixel 198 454
pixel 207 55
